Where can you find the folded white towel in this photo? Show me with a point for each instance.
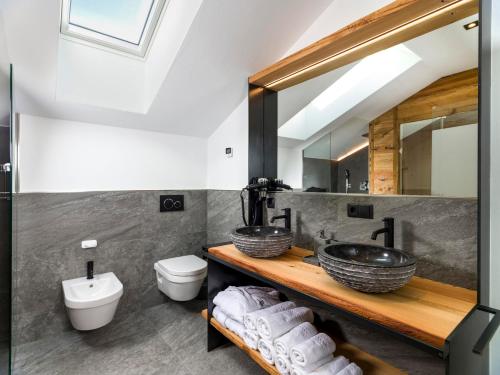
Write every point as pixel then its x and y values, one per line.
pixel 351 369
pixel 250 319
pixel 332 367
pixel 219 315
pixel 266 349
pixel 235 327
pixel 273 326
pixel 297 335
pixel 306 370
pixel 238 301
pixel 283 364
pixel 251 339
pixel 311 350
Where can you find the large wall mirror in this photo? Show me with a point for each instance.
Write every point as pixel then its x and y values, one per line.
pixel 403 120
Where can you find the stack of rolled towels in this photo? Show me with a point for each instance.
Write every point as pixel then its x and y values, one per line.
pixel 282 332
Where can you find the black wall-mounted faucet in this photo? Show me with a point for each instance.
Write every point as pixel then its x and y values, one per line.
pixel 287 216
pixel 388 231
pixel 90 270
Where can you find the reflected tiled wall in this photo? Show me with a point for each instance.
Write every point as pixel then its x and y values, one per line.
pixel 131 232
pixel 440 232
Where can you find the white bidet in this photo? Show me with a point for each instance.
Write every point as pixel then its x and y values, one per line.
pixel 92 303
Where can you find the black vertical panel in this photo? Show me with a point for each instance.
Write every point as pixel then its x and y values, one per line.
pixel 270 133
pixel 262 132
pixel 255 131
pixel 484 244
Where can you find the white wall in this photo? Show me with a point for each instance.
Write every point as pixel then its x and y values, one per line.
pixel 64 156
pixel 337 15
pixel 229 173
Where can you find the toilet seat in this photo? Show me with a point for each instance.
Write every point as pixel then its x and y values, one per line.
pixel 181 278
pixel 183 266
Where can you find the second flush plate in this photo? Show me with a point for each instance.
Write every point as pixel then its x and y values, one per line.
pixel 171 203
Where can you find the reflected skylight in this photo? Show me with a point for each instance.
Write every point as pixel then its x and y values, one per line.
pixel 126 25
pixel 120 19
pixel 364 79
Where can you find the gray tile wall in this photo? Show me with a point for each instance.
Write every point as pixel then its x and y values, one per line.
pixel 131 232
pixel 440 232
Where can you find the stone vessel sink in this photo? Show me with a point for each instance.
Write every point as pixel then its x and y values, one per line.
pixel 262 242
pixel 370 269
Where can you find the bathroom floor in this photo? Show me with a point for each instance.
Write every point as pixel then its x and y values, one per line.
pixel 137 344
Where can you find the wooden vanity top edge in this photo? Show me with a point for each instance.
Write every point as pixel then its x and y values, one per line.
pixel 438 307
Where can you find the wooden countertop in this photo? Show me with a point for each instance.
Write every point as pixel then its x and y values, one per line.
pixel 423 309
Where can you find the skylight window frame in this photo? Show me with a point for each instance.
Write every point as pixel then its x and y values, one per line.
pixel 112 43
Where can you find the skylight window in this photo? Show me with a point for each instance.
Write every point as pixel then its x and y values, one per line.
pixel 124 25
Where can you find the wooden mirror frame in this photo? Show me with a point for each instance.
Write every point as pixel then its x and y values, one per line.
pixel 399 21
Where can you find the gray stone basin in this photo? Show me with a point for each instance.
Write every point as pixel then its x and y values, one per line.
pixel 367 268
pixel 262 241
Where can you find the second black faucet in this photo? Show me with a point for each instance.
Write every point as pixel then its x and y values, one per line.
pixel 287 216
pixel 387 230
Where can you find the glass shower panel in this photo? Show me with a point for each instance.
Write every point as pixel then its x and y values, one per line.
pixel 439 156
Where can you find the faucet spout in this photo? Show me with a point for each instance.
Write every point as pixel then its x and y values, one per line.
pixel 377 232
pixel 287 216
pixel 90 270
pixel 387 230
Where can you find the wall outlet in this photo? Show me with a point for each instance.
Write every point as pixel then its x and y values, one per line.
pixel 362 211
pixel 229 152
pixel 171 203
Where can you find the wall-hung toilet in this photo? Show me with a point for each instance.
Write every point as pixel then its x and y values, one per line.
pixel 181 278
pixel 92 303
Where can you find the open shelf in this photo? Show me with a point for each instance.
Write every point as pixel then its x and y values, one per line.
pixel 371 365
pixel 424 310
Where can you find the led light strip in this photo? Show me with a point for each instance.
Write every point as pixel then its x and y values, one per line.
pixel 444 9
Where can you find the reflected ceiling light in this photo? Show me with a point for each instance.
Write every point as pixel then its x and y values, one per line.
pixel 353 151
pixel 471 25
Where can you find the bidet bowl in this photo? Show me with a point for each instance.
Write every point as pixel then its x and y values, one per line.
pixel 261 241
pixel 367 268
pixel 92 303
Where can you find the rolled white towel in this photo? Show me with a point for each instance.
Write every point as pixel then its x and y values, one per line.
pixel 250 319
pixel 251 339
pixel 273 326
pixel 295 370
pixel 297 335
pixel 238 301
pixel 299 370
pixel 283 364
pixel 266 349
pixel 235 327
pixel 311 350
pixel 219 315
pixel 351 369
pixel 332 367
